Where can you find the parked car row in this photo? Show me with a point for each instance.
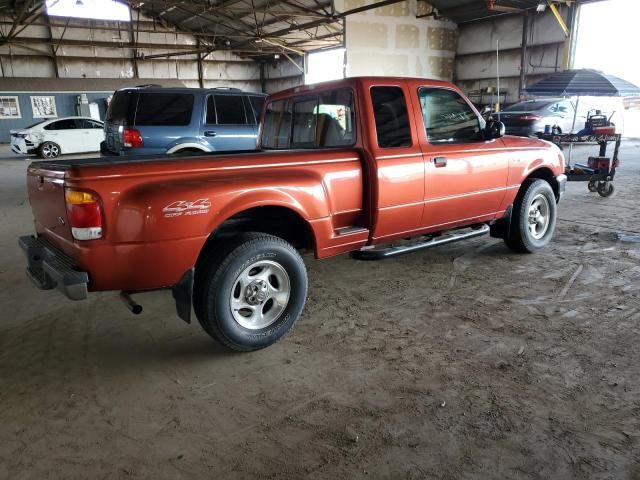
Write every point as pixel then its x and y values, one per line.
pixel 53 137
pixel 152 120
pixel 155 120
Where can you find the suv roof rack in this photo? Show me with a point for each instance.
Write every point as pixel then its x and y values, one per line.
pixel 228 89
pixel 148 85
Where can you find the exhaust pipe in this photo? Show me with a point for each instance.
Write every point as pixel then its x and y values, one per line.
pixel 130 303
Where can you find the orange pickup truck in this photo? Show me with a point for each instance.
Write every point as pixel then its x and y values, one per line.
pixel 346 166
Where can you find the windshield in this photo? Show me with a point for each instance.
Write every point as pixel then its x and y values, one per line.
pixel 529 106
pixel 35 124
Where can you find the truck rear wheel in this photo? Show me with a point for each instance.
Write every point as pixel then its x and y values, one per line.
pixel 533 220
pixel 250 291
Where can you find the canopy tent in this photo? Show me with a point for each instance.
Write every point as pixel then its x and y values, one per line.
pixel 576 83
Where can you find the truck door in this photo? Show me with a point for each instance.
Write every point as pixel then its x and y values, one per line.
pixel 465 175
pixel 399 166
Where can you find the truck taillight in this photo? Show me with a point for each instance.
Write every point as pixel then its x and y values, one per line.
pixel 132 138
pixel 84 214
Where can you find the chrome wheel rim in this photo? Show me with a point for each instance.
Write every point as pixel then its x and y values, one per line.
pixel 539 216
pixel 260 294
pixel 50 151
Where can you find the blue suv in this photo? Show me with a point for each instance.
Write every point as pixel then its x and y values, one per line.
pixel 155 120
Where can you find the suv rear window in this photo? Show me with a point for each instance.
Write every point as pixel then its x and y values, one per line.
pixel 119 109
pixel 164 109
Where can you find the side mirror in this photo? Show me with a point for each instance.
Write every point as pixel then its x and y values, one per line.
pixel 494 129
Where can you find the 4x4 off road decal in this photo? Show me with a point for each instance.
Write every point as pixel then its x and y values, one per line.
pixel 185 207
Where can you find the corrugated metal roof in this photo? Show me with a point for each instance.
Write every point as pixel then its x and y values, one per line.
pixel 260 28
pixel 463 11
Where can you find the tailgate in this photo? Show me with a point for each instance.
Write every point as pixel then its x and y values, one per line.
pixel 45 187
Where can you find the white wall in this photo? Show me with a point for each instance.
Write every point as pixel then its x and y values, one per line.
pixel 392 41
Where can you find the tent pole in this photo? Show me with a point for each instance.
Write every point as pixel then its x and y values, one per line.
pixel 573 125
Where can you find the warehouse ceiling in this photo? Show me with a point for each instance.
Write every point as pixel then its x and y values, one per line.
pixel 250 28
pixel 463 11
pixel 256 29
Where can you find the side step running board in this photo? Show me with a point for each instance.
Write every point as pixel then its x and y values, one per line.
pixel 392 251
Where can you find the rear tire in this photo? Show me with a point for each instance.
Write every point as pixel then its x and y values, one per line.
pixel 534 217
pixel 250 291
pixel 49 150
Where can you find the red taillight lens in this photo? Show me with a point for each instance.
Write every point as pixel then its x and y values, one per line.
pixel 84 214
pixel 530 118
pixel 132 138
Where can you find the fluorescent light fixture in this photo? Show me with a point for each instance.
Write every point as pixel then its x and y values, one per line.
pixel 92 9
pixel 541 7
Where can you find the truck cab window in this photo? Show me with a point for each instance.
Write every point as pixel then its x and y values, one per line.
pixel 277 125
pixel 391 117
pixel 447 117
pixel 304 123
pixel 336 119
pixel 324 120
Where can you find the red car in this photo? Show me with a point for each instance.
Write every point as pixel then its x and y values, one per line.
pixel 346 166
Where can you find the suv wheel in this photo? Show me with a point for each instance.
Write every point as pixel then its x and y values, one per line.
pixel 534 217
pixel 250 291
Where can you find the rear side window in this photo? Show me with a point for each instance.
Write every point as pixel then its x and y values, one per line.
pixel 391 117
pixel 257 103
pixel 69 124
pixel 85 124
pixel 164 109
pixel 277 125
pixel 230 110
pixel 447 117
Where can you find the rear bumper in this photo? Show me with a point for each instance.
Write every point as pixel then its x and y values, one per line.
pixel 50 268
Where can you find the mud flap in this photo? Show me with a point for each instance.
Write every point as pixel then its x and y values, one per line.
pixel 501 227
pixel 183 294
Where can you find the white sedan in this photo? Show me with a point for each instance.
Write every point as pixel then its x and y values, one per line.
pixel 54 137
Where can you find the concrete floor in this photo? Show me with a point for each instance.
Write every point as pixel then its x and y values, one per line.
pixel 465 361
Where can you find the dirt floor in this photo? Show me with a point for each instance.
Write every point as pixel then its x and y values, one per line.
pixel 465 361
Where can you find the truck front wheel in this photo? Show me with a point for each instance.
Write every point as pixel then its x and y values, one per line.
pixel 533 220
pixel 250 291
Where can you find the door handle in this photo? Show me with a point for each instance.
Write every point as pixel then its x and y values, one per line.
pixel 210 133
pixel 440 162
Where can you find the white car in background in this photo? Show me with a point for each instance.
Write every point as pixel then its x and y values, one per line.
pixel 57 136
